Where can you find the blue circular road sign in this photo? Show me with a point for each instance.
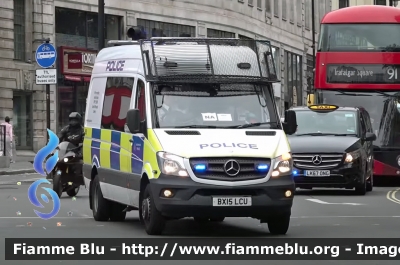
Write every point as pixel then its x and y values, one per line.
pixel 46 55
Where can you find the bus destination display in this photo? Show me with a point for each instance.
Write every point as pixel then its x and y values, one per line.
pixel 363 73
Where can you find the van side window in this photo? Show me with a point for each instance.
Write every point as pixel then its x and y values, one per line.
pixel 140 99
pixel 117 97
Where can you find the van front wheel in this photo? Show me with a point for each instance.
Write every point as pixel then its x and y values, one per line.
pixel 101 206
pixel 279 225
pixel 153 220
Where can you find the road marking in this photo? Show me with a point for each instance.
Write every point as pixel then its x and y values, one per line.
pixel 337 203
pixel 309 217
pixel 391 196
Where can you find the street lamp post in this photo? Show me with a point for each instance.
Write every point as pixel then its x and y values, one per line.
pixel 101 24
pixel 313 42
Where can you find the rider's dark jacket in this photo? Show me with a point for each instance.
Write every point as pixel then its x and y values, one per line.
pixel 68 131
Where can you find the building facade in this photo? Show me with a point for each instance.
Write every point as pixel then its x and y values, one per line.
pixel 336 4
pixel 72 27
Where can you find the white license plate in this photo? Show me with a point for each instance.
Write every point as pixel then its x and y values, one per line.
pixel 317 173
pixel 232 201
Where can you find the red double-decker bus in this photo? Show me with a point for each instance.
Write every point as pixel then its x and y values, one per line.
pixel 358 64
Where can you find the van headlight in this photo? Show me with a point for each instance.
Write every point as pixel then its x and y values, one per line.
pixel 171 164
pixel 283 165
pixel 352 156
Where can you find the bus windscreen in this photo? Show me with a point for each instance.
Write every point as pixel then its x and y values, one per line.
pixel 383 109
pixel 360 37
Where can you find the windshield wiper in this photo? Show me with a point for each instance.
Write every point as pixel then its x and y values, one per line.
pixel 386 94
pixel 352 94
pixel 325 134
pixel 249 125
pixel 198 126
pixel 343 134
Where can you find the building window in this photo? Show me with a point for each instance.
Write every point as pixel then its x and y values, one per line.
pixel 343 3
pixel 19 30
pixel 277 60
pixel 299 10
pixel 291 11
pixel 307 14
pixel 268 6
pixel 380 2
pixel 213 33
pixel 284 3
pixel 163 29
pixel 293 79
pixel 250 2
pixel 259 5
pixel 117 97
pixel 310 73
pixel 276 8
pixel 75 28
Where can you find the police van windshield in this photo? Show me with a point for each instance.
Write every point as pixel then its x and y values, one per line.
pixel 335 122
pixel 215 106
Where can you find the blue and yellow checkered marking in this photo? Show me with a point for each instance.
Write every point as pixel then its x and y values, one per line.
pixel 113 150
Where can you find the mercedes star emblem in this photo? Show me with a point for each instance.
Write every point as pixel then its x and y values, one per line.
pixel 316 160
pixel 398 161
pixel 232 168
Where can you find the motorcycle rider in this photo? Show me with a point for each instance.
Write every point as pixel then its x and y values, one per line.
pixel 73 133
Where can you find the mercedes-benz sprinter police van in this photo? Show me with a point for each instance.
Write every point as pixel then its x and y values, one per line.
pixel 187 128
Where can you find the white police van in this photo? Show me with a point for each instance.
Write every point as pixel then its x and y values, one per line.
pixel 187 128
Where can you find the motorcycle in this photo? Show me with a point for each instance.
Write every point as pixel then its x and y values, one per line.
pixel 67 174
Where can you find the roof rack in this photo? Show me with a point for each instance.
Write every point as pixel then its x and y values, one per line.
pixel 112 43
pixel 208 60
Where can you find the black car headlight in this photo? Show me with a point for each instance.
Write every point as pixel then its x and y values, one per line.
pixel 352 156
pixel 172 165
pixel 283 165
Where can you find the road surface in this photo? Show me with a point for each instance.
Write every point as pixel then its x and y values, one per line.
pixel 315 214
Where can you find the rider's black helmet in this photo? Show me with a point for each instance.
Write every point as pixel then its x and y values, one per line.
pixel 75 119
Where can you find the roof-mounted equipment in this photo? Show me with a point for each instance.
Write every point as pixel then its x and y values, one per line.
pixel 323 107
pixel 207 60
pixel 113 43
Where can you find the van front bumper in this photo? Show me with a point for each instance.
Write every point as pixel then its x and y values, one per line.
pixel 192 199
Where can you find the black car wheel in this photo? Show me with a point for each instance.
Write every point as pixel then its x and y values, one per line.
pixel 361 188
pixel 370 182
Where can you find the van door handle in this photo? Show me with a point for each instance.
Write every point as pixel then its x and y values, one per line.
pixel 130 140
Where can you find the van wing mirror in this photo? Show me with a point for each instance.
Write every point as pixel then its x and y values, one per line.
pixel 370 136
pixel 133 120
pixel 290 123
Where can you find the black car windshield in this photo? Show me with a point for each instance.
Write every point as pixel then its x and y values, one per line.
pixel 337 122
pixel 383 109
pixel 215 106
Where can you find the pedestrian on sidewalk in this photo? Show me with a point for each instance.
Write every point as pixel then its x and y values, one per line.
pixel 9 138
